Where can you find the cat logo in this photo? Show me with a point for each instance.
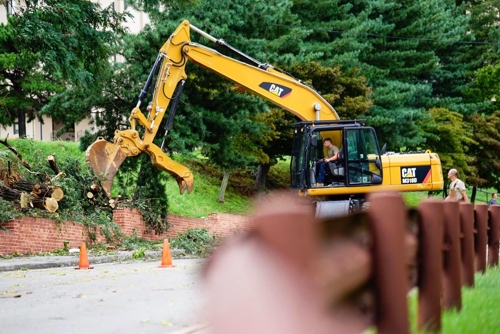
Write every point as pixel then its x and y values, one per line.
pixel 408 175
pixel 416 175
pixel 278 90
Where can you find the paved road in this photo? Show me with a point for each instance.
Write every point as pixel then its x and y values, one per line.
pixel 136 297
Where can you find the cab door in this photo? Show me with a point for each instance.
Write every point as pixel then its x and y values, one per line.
pixel 298 165
pixel 362 155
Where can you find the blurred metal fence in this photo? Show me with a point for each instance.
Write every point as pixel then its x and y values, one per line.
pixel 294 273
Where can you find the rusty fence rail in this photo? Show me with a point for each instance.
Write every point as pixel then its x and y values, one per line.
pixel 295 274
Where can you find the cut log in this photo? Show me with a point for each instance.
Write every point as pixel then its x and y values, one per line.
pixel 9 194
pixel 36 189
pixel 47 203
pixel 57 193
pixel 28 186
pixel 52 163
pixel 51 204
pixel 90 194
pixel 95 188
pixel 25 200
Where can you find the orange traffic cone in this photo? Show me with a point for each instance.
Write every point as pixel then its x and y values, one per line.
pixel 166 257
pixel 84 259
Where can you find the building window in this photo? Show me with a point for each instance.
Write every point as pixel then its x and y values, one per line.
pixel 16 128
pixel 11 6
pixel 125 4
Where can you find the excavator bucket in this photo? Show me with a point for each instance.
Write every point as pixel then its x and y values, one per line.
pixel 105 158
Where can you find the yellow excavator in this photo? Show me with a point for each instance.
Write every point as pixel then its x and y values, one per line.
pixel 361 168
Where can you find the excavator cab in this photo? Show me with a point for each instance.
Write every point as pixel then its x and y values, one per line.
pixel 359 162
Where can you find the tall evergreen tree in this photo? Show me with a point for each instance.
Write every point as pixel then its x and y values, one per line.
pixel 484 25
pixel 405 59
pixel 394 43
pixel 452 75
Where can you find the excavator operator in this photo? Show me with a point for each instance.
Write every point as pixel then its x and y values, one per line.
pixel 332 155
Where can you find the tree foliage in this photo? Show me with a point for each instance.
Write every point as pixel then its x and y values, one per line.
pixel 396 49
pixel 486 150
pixel 347 91
pixel 485 89
pixel 451 137
pixel 484 26
pixel 48 46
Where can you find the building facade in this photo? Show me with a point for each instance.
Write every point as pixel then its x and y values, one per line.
pixel 46 128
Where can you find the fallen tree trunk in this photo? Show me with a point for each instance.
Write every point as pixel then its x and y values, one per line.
pixel 37 189
pixel 10 194
pixel 26 200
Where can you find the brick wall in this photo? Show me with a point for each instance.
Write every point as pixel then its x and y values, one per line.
pixel 217 224
pixel 34 235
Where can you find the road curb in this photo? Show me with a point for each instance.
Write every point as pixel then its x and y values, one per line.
pixel 44 262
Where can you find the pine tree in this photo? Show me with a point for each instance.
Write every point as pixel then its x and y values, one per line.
pixel 405 59
pixel 484 26
pixel 394 44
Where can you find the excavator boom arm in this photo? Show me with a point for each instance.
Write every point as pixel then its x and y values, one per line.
pixel 279 88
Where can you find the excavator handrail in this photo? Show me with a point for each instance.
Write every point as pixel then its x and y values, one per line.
pixel 223 43
pixel 336 121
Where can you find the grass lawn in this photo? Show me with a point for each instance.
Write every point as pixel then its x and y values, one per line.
pixel 480 307
pixel 35 152
pixel 239 195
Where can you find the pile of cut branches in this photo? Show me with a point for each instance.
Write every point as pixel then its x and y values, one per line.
pixel 43 194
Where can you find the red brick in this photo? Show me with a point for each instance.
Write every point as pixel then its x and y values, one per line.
pixel 29 234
